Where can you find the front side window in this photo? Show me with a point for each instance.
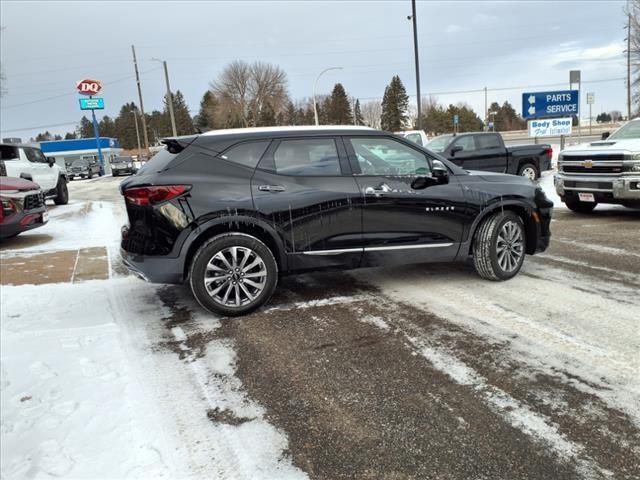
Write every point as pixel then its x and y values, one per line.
pixel 415 138
pixel 248 153
pixel 466 143
pixel 384 156
pixel 486 142
pixel 627 132
pixel 439 144
pixel 307 157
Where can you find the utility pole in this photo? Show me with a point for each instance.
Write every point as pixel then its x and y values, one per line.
pixel 415 51
pixel 486 113
pixel 135 118
pixel 629 64
pixel 144 120
pixel 169 97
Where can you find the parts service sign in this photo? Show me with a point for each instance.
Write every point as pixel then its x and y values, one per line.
pixel 552 127
pixel 89 87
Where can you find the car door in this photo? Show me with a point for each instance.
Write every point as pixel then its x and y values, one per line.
pixel 491 153
pixel 401 224
pixel 304 188
pixel 39 168
pixel 462 152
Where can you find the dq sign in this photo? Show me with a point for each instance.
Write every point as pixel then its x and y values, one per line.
pixel 89 87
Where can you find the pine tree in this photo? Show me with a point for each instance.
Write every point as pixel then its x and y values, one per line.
pixel 206 118
pixel 395 106
pixel 85 129
pixel 184 123
pixel 107 127
pixel 339 108
pixel 357 113
pixel 125 127
pixel 291 114
pixel 70 136
pixel 267 117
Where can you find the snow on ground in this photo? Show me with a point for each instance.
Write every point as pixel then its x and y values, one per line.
pixel 77 400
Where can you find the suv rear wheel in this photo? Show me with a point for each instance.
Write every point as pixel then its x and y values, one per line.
pixel 499 246
pixel 233 274
pixel 580 207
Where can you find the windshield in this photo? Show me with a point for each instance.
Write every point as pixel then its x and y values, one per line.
pixel 439 144
pixel 122 160
pixel 627 132
pixel 80 163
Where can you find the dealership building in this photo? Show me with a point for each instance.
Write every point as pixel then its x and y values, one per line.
pixel 66 151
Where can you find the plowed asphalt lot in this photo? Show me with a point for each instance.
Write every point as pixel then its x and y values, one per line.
pixel 424 371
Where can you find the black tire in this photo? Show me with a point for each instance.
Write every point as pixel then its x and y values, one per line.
pixel 530 171
pixel 90 175
pixel 233 283
pixel 485 247
pixel 62 192
pixel 115 174
pixel 580 207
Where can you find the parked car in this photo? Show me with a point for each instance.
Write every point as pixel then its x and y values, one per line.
pixel 487 152
pixel 22 206
pixel 84 168
pixel 122 165
pixel 25 161
pixel 416 136
pixel 606 171
pixel 230 210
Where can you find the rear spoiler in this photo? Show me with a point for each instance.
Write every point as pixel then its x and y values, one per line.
pixel 178 144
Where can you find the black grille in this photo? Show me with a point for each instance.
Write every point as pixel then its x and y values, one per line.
pixel 594 169
pixel 32 202
pixel 598 185
pixel 613 157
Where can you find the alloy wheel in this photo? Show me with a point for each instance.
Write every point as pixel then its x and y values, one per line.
pixel 510 246
pixel 235 276
pixel 529 172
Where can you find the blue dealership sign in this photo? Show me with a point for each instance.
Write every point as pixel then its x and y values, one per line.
pixel 562 103
pixel 92 103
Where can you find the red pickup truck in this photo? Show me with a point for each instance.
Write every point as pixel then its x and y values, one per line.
pixel 23 206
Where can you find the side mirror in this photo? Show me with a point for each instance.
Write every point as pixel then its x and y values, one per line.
pixel 51 161
pixel 457 148
pixel 440 172
pixel 605 135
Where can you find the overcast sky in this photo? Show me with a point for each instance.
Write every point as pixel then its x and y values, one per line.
pixel 514 46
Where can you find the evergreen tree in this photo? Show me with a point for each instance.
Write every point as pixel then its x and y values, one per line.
pixel 184 123
pixel 291 114
pixel 338 107
pixel 57 137
pixel 107 127
pixel 44 137
pixel 85 129
pixel 357 113
pixel 206 118
pixel 267 117
pixel 125 127
pixel 70 136
pixel 395 106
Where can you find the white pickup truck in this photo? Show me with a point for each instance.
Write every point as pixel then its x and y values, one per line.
pixel 28 162
pixel 416 136
pixel 606 171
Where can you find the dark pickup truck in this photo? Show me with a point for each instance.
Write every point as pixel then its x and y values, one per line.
pixel 486 151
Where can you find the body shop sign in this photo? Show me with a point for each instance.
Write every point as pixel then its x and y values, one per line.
pixel 89 86
pixel 550 128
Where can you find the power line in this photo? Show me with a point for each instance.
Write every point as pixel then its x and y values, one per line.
pixel 41 126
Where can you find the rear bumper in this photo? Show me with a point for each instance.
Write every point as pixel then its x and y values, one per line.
pixel 152 268
pixel 21 222
pixel 612 189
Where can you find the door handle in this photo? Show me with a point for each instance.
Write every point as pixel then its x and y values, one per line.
pixel 271 188
pixel 380 190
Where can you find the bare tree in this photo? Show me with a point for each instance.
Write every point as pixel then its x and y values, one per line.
pixel 244 90
pixel 371 112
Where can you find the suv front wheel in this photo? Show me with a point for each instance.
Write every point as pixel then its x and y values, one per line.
pixel 233 274
pixel 499 246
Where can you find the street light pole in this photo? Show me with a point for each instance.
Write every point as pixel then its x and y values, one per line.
pixel 169 96
pixel 415 52
pixel 315 107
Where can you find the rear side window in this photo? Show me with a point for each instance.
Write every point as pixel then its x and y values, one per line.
pixel 8 152
pixel 488 141
pixel 307 157
pixel 248 153
pixel 159 161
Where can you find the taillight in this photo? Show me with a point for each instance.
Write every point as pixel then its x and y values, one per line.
pixel 549 153
pixel 152 195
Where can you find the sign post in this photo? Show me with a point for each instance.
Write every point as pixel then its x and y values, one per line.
pixel 92 87
pixel 456 121
pixel 590 99
pixel 575 76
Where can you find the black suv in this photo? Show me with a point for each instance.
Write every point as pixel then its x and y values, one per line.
pixel 230 210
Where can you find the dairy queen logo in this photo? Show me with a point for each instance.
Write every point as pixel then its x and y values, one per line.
pixel 89 86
